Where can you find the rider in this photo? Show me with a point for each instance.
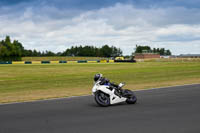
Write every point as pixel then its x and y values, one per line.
pixel 104 81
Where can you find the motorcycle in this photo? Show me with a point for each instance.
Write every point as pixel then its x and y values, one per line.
pixel 106 95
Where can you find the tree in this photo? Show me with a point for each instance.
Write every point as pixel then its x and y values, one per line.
pixel 116 52
pixel 168 52
pixel 106 51
pixel 161 51
pixel 141 49
pixel 10 50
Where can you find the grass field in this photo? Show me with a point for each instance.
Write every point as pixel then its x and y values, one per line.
pixel 32 82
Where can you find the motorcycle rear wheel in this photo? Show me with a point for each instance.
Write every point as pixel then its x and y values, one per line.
pixel 102 99
pixel 132 99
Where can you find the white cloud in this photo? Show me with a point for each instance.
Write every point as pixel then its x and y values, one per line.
pixel 124 26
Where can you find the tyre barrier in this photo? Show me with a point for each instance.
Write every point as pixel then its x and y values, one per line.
pixel 72 62
pixel 54 62
pixel 5 62
pixel 81 61
pixel 62 62
pixel 103 61
pixel 18 62
pixel 90 61
pixel 126 61
pixel 27 62
pixel 36 62
pixel 111 61
pixel 45 62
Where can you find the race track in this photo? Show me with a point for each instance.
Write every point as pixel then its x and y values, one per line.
pixel 165 110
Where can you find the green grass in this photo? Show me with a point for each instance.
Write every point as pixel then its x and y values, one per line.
pixel 170 60
pixel 58 58
pixel 32 82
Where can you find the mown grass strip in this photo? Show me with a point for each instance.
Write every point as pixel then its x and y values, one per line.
pixel 38 81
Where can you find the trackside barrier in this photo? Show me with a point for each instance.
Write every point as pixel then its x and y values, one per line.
pixel 45 62
pixel 18 62
pixel 91 61
pixel 103 61
pixel 54 62
pixel 130 61
pixel 111 61
pixel 62 61
pixel 36 62
pixel 28 62
pixel 81 61
pixel 71 61
pixel 5 62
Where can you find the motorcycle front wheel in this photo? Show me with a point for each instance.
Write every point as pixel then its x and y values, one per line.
pixel 102 99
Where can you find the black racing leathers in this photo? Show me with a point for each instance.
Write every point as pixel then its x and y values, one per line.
pixel 105 81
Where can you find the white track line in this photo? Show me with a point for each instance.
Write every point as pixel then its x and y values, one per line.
pixel 166 87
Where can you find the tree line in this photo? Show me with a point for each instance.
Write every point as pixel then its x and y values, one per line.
pixel 147 49
pixel 13 51
pixel 104 51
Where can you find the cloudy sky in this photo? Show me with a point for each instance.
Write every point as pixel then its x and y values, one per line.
pixel 59 24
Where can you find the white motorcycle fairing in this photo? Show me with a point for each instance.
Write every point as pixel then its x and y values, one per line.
pixel 105 89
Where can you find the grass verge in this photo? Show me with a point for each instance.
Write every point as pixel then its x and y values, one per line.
pixel 34 82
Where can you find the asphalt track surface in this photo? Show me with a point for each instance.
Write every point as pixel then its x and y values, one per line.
pixel 165 110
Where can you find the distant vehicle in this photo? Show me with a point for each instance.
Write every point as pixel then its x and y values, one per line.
pixel 108 94
pixel 126 60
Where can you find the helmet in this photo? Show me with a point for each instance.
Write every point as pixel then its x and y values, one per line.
pixel 97 77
